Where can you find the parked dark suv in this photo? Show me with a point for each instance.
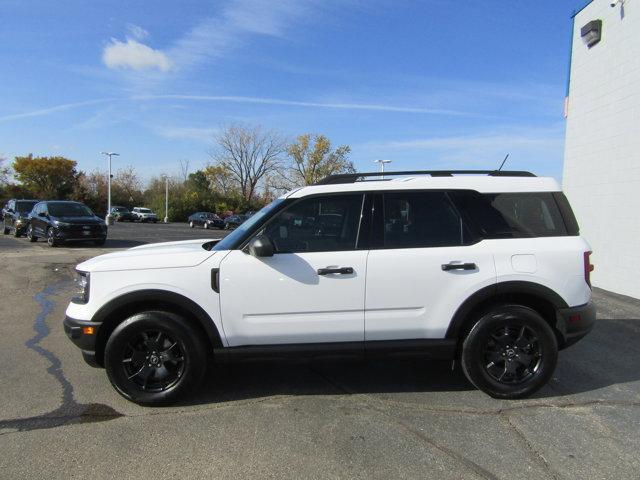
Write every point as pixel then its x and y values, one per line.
pixel 206 220
pixel 59 222
pixel 122 214
pixel 16 216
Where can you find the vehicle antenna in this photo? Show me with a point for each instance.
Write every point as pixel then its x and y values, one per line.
pixel 503 162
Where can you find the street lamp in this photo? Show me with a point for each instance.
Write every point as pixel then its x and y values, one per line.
pixel 382 162
pixel 108 218
pixel 166 198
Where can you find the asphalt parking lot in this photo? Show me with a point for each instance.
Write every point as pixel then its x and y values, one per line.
pixel 60 418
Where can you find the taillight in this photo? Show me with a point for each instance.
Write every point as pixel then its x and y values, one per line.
pixel 588 268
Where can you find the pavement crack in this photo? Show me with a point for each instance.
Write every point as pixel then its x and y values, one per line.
pixel 69 411
pixel 534 453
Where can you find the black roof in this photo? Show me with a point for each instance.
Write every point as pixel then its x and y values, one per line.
pixel 355 177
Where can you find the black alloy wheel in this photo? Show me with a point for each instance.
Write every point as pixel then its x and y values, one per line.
pixel 510 352
pixel 31 234
pixel 154 357
pixel 153 360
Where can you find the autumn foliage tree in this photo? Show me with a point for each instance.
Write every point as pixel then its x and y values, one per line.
pixel 313 159
pixel 46 177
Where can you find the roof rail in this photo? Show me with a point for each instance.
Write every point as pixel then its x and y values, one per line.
pixel 355 177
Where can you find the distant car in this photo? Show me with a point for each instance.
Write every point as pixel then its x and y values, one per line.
pixel 16 216
pixel 205 220
pixel 141 214
pixel 62 221
pixel 121 214
pixel 233 221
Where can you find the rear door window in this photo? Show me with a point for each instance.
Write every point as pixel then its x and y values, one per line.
pixel 421 219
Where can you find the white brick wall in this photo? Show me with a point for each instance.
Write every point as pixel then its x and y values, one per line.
pixel 602 152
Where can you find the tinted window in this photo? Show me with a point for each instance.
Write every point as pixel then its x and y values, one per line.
pixel 512 215
pixel 421 219
pixel 318 224
pixel 25 207
pixel 69 210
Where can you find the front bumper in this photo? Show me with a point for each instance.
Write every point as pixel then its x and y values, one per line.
pixel 77 331
pixel 80 235
pixel 573 323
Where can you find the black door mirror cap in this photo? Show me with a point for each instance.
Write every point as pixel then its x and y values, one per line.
pixel 261 246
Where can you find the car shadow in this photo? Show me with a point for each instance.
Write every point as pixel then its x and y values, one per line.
pixel 609 355
pixel 251 380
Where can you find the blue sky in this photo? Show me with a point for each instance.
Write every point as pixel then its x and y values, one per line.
pixel 429 84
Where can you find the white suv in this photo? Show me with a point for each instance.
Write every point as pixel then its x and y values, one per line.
pixel 142 214
pixel 486 268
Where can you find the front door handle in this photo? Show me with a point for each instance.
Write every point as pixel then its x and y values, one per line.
pixel 339 270
pixel 458 266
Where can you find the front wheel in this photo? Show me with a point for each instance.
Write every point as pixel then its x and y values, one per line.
pixel 155 357
pixel 51 238
pixel 5 229
pixel 191 225
pixel 510 352
pixel 31 234
pixel 206 226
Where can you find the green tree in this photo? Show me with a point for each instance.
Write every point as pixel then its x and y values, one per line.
pixel 313 162
pixel 46 177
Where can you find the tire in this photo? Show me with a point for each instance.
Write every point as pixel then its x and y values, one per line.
pixel 5 229
pixel 30 234
pixel 17 233
pixel 190 224
pixel 205 226
pixel 143 382
pixel 518 338
pixel 226 226
pixel 51 239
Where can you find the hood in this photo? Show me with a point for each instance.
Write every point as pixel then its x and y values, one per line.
pixel 188 253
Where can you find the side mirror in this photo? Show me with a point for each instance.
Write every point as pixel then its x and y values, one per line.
pixel 261 246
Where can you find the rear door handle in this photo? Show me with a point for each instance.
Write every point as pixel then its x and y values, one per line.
pixel 458 266
pixel 339 270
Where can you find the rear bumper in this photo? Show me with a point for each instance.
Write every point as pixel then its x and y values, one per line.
pixel 75 330
pixel 573 323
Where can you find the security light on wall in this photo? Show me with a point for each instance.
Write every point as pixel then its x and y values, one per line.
pixel 591 33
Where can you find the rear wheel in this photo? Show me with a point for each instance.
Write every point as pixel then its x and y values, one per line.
pixel 510 352
pixel 155 357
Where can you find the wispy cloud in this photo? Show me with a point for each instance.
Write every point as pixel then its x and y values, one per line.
pixel 200 134
pixel 55 109
pixel 375 107
pixel 302 103
pixel 217 35
pixel 137 31
pixel 134 55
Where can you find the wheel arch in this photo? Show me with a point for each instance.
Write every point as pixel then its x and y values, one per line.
pixel 120 308
pixel 533 295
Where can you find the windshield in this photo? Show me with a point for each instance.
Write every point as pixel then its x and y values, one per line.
pixel 120 209
pixel 69 210
pixel 227 242
pixel 24 207
pixel 144 210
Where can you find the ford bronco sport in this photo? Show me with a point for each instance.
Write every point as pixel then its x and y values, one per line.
pixel 482 267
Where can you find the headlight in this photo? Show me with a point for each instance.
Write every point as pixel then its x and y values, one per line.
pixel 83 287
pixel 58 223
pixel 20 221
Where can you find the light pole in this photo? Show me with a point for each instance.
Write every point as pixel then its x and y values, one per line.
pixel 382 162
pixel 166 198
pixel 108 218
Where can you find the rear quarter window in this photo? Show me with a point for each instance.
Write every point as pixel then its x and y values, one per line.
pixel 512 215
